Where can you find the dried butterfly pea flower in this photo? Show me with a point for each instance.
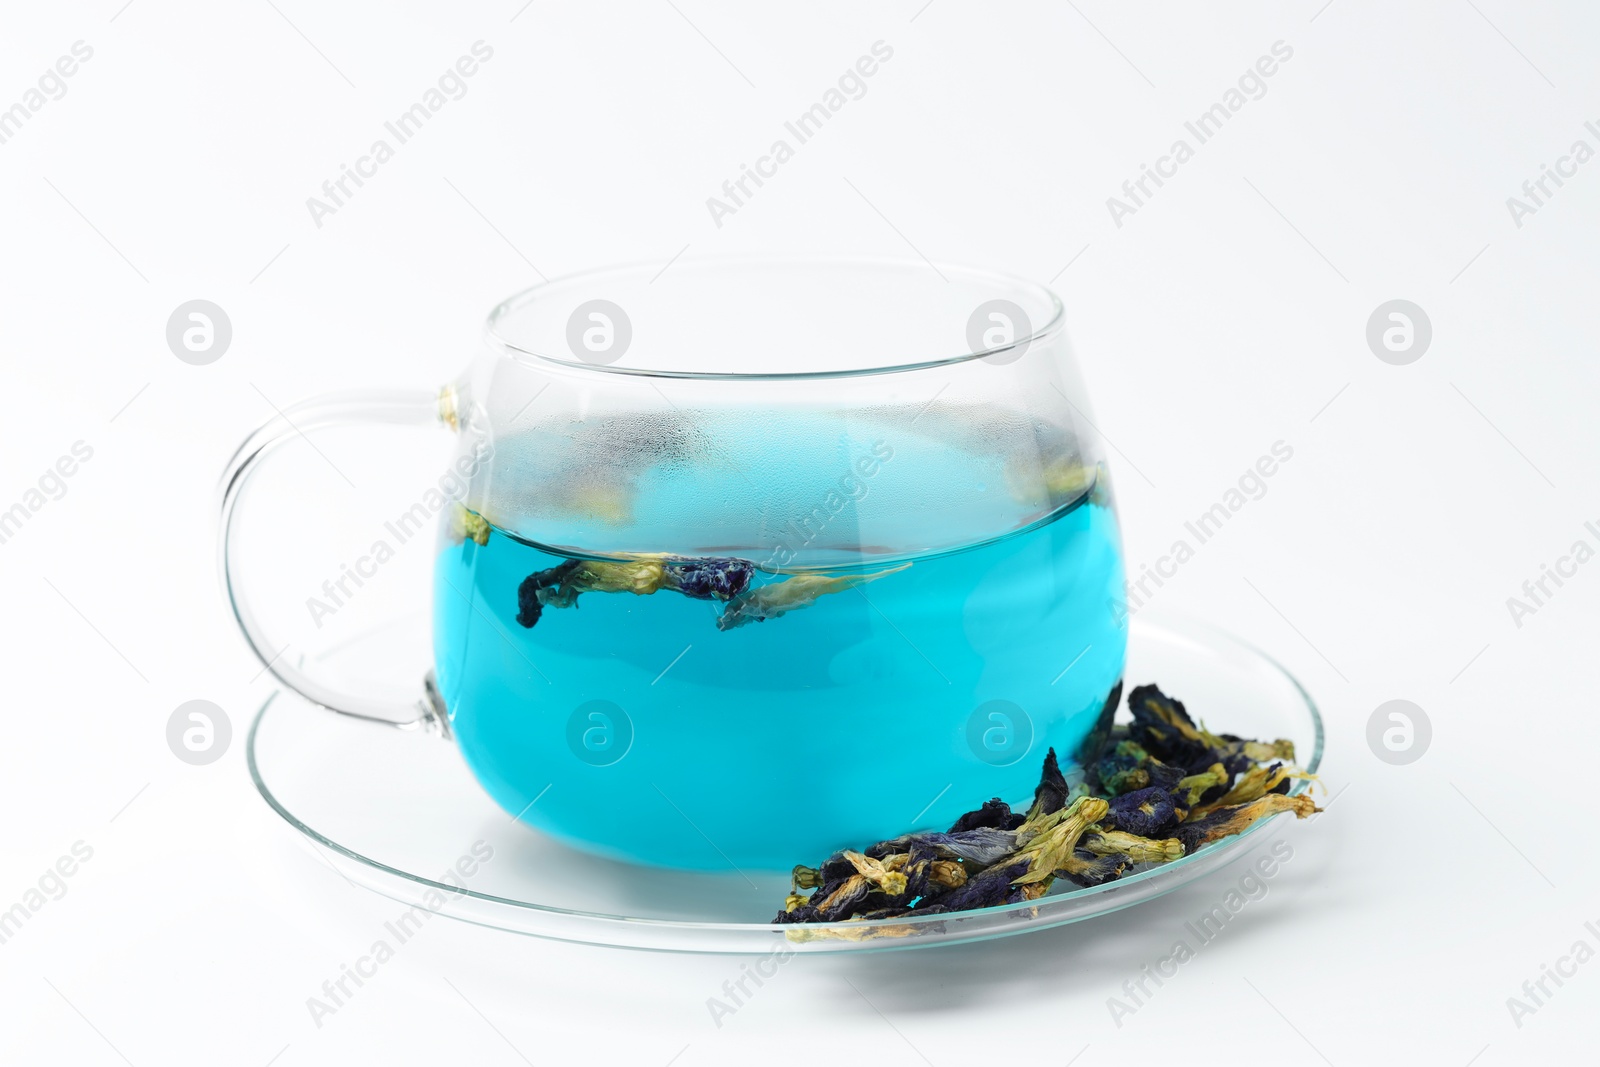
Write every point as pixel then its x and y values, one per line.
pixel 1163 727
pixel 986 888
pixel 843 900
pixel 1150 705
pixel 1033 890
pixel 1130 767
pixel 468 525
pixel 915 867
pixel 803 877
pixel 1121 774
pixel 714 578
pixel 1164 723
pixel 1104 729
pixel 846 884
pixel 798 591
pixel 1089 869
pixel 1264 752
pixel 995 814
pixel 1061 479
pixel 708 578
pixel 1225 822
pixel 1051 794
pixel 796 910
pixel 531 593
pixel 981 847
pixel 834 870
pixel 994 856
pixel 1257 782
pixel 1052 846
pixel 1067 478
pixel 638 576
pixel 1209 784
pixel 1134 848
pixel 890 881
pixel 528 607
pixel 925 873
pixel 1146 812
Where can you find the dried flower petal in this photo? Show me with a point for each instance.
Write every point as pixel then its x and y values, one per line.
pixel 996 814
pixel 1208 784
pixel 708 578
pixel 1051 794
pixel 994 856
pixel 1257 782
pixel 1048 851
pixel 1130 767
pixel 925 873
pixel 1163 727
pixel 1120 774
pixel 843 900
pixel 1263 752
pixel 1032 890
pixel 638 576
pixel 803 877
pixel 803 913
pixel 1225 822
pixel 1135 848
pixel 1094 745
pixel 987 888
pixel 888 881
pixel 468 525
pixel 1146 812
pixel 1067 478
pixel 531 593
pixel 780 598
pixel 1087 869
pixel 712 578
pixel 981 847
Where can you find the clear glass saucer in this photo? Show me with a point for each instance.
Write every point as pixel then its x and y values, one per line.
pixel 400 814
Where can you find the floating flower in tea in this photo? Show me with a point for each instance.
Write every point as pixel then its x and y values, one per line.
pixel 779 598
pixel 711 579
pixel 468 525
pixel 707 578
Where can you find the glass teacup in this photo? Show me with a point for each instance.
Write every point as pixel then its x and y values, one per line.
pixel 757 559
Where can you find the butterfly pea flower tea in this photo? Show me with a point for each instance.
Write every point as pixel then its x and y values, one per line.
pixel 775 705
pixel 757 559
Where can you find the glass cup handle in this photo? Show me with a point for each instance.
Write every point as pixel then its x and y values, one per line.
pixel 394 407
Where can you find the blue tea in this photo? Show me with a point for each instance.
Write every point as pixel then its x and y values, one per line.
pixel 668 666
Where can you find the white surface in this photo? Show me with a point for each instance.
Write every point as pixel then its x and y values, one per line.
pixel 1377 565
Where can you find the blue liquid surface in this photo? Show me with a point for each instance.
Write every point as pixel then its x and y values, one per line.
pixel 632 726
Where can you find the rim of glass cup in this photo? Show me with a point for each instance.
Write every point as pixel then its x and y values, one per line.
pixel 1174 624
pixel 522 299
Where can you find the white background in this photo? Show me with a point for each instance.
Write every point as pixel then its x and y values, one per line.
pixel 1228 313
